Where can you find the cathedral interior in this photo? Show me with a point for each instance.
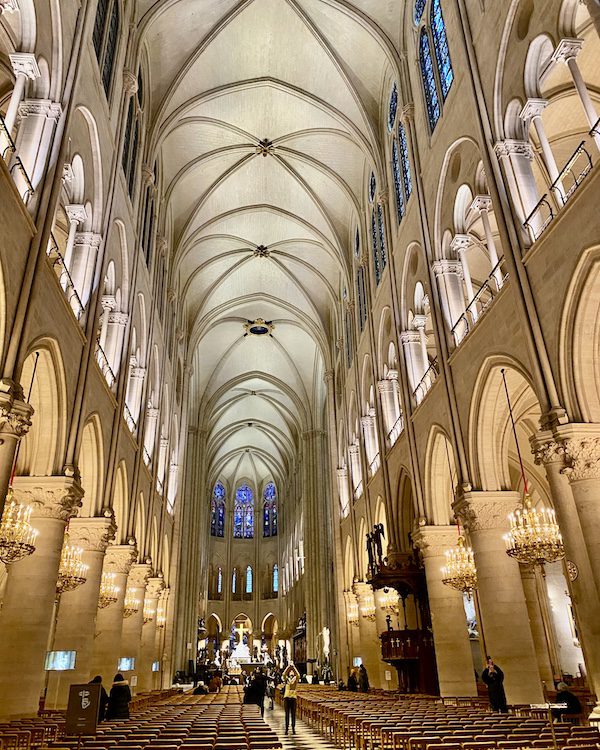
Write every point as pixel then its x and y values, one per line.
pixel 300 344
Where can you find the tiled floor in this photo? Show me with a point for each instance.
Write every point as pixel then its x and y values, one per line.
pixel 305 737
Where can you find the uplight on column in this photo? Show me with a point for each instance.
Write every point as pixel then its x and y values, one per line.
pixel 131 605
pixel 17 537
pixel 108 590
pixel 72 571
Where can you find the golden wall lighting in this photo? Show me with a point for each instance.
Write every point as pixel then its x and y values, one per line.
pixel 352 609
pixel 161 615
pixel 534 537
pixel 109 591
pixel 17 537
pixel 367 608
pixel 148 612
pixel 72 571
pixel 131 605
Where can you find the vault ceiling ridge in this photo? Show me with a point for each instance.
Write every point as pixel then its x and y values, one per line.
pixel 290 419
pixel 205 265
pixel 224 433
pixel 218 467
pixel 309 267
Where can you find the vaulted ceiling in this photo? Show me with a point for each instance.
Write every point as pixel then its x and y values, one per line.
pixel 265 232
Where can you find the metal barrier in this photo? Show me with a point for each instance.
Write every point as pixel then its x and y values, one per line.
pixel 426 381
pixel 480 302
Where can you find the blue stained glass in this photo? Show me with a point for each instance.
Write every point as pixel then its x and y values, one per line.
pixel 243 513
pixel 270 510
pixel 220 581
pixel 405 161
pixel 431 95
pixel 372 187
pixel 419 8
pixel 274 520
pixel 217 511
pixel 397 181
pixel 248 580
pixel 393 107
pixel 375 247
pixel 440 45
pixel 270 491
pixel 275 579
pixel 234 581
pixel 267 521
pixel 382 247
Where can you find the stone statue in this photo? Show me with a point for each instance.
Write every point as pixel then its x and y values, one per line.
pixel 378 535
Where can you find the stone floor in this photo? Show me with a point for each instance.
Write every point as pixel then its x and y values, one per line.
pixel 305 737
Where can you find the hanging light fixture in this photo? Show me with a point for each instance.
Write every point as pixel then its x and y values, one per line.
pixel 161 614
pixel 72 571
pixel 131 605
pixel 460 572
pixel 534 537
pixel 148 612
pixel 367 607
pixel 17 537
pixel 352 609
pixel 389 601
pixel 108 590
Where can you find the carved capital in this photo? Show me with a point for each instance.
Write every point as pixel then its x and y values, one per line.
pixel 154 587
pixel 567 49
pixel 88 239
pixel 139 575
pixel 118 318
pixel 328 376
pixel 433 541
pixel 162 245
pixel 119 558
pixel 130 82
pixel 15 418
pixel 447 268
pixel 68 175
pixel 92 534
pixel 481 203
pixel 76 213
pixel 363 592
pixel 510 148
pixel 171 295
pixel 410 337
pixel 533 108
pixel 24 63
pixel 582 458
pixel 40 108
pixel 546 449
pixel 147 175
pixel 460 242
pixel 50 497
pixel 8 6
pixel 485 511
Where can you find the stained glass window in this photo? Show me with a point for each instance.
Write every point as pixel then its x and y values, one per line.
pixel 248 580
pixel 361 290
pixel 111 47
pixel 397 181
pixel 234 581
pixel 99 25
pixel 375 248
pixel 243 513
pixel 349 342
pixel 357 244
pixel 382 247
pixel 431 95
pixel 393 108
pixel 220 581
pixel 217 511
pixel 419 8
pixel 440 45
pixel 275 579
pixel 270 510
pixel 405 161
pixel 372 187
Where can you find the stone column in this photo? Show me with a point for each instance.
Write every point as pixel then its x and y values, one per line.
pixel 344 494
pixel 505 620
pixel 460 245
pixel 390 405
pixel 538 626
pixel 39 118
pixel 355 470
pixel 531 114
pixel 115 336
pixel 163 678
pixel 25 67
pixel 449 275
pixel 482 205
pixel 132 626
pixel 106 651
pixel 448 618
pixel 370 645
pixel 83 265
pixel 416 363
pixel 109 302
pixel 151 425
pixel 15 421
pixel 76 214
pixel 27 611
pixel 368 425
pixel 76 623
pixel 566 51
pixel 148 651
pixel 516 158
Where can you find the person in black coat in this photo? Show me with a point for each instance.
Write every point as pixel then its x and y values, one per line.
pixel 103 698
pixel 493 677
pixel 564 695
pixel 119 698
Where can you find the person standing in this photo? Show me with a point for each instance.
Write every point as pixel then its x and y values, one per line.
pixel 363 679
pixel 259 689
pixel 103 698
pixel 119 699
pixel 493 677
pixel 564 695
pixel 290 678
pixel 353 680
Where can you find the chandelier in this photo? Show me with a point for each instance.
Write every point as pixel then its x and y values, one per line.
pixel 17 538
pixel 161 615
pixel 72 571
pixel 353 613
pixel 367 608
pixel 460 572
pixel 131 605
pixel 534 537
pixel 108 590
pixel 148 612
pixel 389 601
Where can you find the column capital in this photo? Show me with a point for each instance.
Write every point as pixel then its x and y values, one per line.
pixel 50 497
pixel 567 49
pixel 139 575
pixel 162 246
pixel 119 318
pixel 460 242
pixel 108 302
pixel 93 534
pixel 130 82
pixel 384 197
pixel 152 412
pixel 419 322
pixel 342 473
pixel 76 213
pixel 328 376
pixel 67 174
pixel 484 511
pixel 354 449
pixel 362 591
pixel 481 203
pixel 408 112
pixel 546 449
pixel 154 587
pixel 581 457
pixel 147 175
pixel 88 239
pixel 511 147
pixel 24 63
pixel 41 108
pixel 433 541
pixel 446 267
pixel 15 417
pixel 367 421
pixel 119 558
pixel 8 6
pixel 410 337
pixel 386 385
pixel 532 108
